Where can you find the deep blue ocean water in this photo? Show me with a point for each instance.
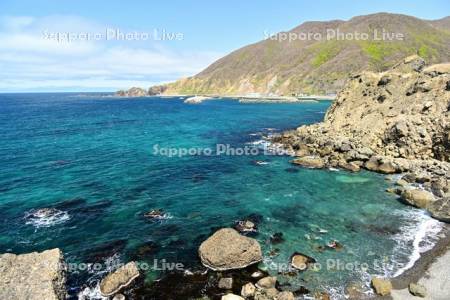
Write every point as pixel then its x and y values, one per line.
pixel 92 158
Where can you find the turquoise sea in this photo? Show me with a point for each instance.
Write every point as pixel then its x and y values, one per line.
pixel 92 160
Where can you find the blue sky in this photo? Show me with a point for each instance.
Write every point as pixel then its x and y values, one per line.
pixel 30 61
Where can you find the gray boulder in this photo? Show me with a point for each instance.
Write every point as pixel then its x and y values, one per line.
pixel 226 249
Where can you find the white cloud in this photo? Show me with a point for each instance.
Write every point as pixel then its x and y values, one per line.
pixel 15 23
pixel 29 61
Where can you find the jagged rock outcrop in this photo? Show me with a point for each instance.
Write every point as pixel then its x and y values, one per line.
pixel 140 92
pixel 132 92
pixel 392 122
pixel 33 276
pixel 226 249
pixel 156 90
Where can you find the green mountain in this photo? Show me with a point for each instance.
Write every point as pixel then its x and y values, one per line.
pixel 315 61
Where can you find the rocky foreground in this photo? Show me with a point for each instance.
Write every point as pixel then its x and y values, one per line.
pixel 33 276
pixel 392 122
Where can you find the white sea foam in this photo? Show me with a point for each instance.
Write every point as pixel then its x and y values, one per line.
pixel 415 237
pixel 46 217
pixel 260 143
pixel 165 216
pixel 91 293
pixel 92 290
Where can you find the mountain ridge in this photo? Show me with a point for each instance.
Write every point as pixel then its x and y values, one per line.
pixel 320 66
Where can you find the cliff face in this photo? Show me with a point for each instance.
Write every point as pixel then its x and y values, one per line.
pixel 396 121
pixel 401 113
pixel 321 65
pixel 395 113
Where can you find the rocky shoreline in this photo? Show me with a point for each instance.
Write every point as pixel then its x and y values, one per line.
pixel 396 122
pixel 424 273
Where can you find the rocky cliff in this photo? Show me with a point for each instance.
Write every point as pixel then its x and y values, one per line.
pixel 33 276
pixel 140 92
pixel 319 56
pixel 391 122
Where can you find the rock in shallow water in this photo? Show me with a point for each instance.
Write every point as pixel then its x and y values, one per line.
pixel 119 279
pixel 300 261
pixel 33 276
pixel 226 249
pixel 245 226
pixel 309 162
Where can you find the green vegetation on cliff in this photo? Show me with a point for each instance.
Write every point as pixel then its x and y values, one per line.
pixel 320 65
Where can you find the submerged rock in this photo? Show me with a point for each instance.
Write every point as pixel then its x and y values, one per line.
pixel 46 217
pixel 381 286
pixel 291 170
pixel 155 214
pixel 145 251
pixel 335 245
pixel 226 249
pixel 119 279
pixel 33 276
pixel 103 251
pixel 277 238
